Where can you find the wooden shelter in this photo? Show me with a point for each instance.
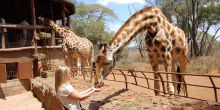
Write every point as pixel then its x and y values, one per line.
pixel 20 28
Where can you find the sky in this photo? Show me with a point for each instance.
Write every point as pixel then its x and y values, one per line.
pixel 120 7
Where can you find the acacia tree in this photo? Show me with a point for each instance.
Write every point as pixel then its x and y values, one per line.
pixel 89 22
pixel 193 16
pixel 209 17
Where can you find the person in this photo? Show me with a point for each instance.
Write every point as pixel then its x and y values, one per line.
pixel 25 33
pixel 66 92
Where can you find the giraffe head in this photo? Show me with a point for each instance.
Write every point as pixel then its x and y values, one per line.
pixel 104 63
pixel 106 52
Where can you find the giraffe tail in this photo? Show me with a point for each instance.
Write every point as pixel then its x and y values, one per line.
pixel 179 78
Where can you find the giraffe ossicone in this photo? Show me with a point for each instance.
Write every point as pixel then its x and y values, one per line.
pixel 163 40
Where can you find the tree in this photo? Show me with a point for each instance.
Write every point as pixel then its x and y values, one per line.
pixel 89 22
pixel 93 30
pixel 194 16
pixel 96 12
pixel 209 17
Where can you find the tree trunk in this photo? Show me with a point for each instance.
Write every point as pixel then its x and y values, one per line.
pixel 194 29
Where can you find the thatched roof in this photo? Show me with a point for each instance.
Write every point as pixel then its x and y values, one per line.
pixel 15 11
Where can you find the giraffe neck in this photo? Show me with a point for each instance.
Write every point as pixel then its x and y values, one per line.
pixel 60 29
pixel 144 19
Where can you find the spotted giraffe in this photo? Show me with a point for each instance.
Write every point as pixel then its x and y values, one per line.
pixel 163 40
pixel 74 47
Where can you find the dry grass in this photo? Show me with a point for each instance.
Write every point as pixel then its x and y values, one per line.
pixel 133 60
pixel 204 64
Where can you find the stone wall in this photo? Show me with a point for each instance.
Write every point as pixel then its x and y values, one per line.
pixel 46 94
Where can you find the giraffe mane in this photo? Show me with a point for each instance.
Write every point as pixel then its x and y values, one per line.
pixel 146 9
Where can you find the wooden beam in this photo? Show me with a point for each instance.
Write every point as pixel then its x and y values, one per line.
pixel 63 15
pixel 27 48
pixel 34 24
pixel 26 27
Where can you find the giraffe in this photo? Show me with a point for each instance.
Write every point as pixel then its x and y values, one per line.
pixel 163 41
pixel 74 47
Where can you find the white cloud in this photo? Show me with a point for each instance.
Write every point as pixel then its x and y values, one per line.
pixel 106 2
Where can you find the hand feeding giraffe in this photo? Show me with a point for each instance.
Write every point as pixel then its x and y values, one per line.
pixel 163 40
pixel 74 47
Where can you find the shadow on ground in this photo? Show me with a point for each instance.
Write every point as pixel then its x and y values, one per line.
pixel 95 105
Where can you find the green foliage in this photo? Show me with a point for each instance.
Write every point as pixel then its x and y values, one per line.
pixel 193 16
pixel 94 11
pixel 210 14
pixel 93 30
pixel 89 22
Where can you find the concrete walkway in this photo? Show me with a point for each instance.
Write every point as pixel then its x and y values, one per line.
pixel 24 101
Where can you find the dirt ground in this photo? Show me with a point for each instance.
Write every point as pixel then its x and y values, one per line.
pixel 114 96
pixel 24 101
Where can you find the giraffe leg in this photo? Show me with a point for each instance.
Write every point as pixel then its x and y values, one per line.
pixel 89 65
pixel 71 61
pixel 66 60
pixel 78 64
pixel 183 63
pixel 167 65
pixel 154 63
pixel 174 77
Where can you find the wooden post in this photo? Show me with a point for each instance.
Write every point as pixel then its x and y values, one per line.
pixel 3 73
pixel 68 21
pixel 34 24
pixel 53 42
pixel 63 15
pixel 3 38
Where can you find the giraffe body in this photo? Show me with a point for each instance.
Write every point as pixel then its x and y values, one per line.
pixel 74 47
pixel 163 40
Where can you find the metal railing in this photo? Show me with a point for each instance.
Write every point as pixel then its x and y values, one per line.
pixel 144 75
pixel 137 75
